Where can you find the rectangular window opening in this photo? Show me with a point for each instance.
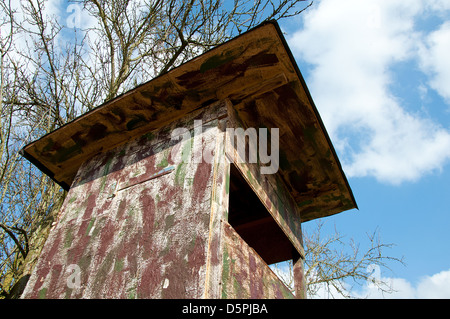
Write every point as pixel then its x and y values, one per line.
pixel 253 222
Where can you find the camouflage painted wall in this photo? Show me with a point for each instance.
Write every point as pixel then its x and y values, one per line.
pixel 140 223
pixel 135 222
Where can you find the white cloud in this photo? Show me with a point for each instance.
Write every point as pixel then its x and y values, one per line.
pixel 436 286
pixel 438 5
pixel 434 57
pixel 351 45
pixel 402 289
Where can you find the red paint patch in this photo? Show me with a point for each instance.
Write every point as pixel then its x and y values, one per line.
pixel 121 209
pixel 107 234
pixel 268 204
pixel 90 205
pixel 201 178
pixel 56 244
pixel 150 284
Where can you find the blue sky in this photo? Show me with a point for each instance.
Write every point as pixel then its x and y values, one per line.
pixel 379 73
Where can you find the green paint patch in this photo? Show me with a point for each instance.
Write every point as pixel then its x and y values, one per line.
pixel 304 203
pixel 136 173
pixel 43 293
pixel 331 198
pixel 149 136
pixel 165 161
pixel 180 174
pixel 89 227
pixel 225 272
pixel 347 203
pixel 67 293
pixel 169 221
pixel 216 61
pixel 68 239
pixel 85 261
pixel 237 287
pixel 186 151
pixel 118 265
pixel 227 182
pixel 71 200
pixel 48 146
pixel 250 177
pixel 287 294
pixel 138 120
pixel 131 293
pixel 105 173
pixel 64 153
pixel 189 181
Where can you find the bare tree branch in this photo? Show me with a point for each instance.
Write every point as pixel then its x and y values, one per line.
pixel 337 265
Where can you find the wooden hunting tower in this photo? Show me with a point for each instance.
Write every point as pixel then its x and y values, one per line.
pixel 161 204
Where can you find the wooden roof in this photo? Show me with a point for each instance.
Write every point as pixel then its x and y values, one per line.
pixel 258 74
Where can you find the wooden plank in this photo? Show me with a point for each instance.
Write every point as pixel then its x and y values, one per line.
pixel 299 278
pixel 267 239
pixel 219 211
pixel 245 274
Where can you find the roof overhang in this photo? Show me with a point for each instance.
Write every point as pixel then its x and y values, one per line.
pixel 258 74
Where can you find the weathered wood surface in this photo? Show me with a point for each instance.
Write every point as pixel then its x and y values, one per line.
pixel 308 166
pixel 257 73
pixel 147 240
pixel 299 278
pixel 271 191
pixel 245 274
pixel 219 214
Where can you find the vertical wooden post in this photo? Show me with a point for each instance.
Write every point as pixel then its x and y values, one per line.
pixel 219 209
pixel 299 276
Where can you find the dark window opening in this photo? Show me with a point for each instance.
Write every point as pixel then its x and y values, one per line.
pixel 252 221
